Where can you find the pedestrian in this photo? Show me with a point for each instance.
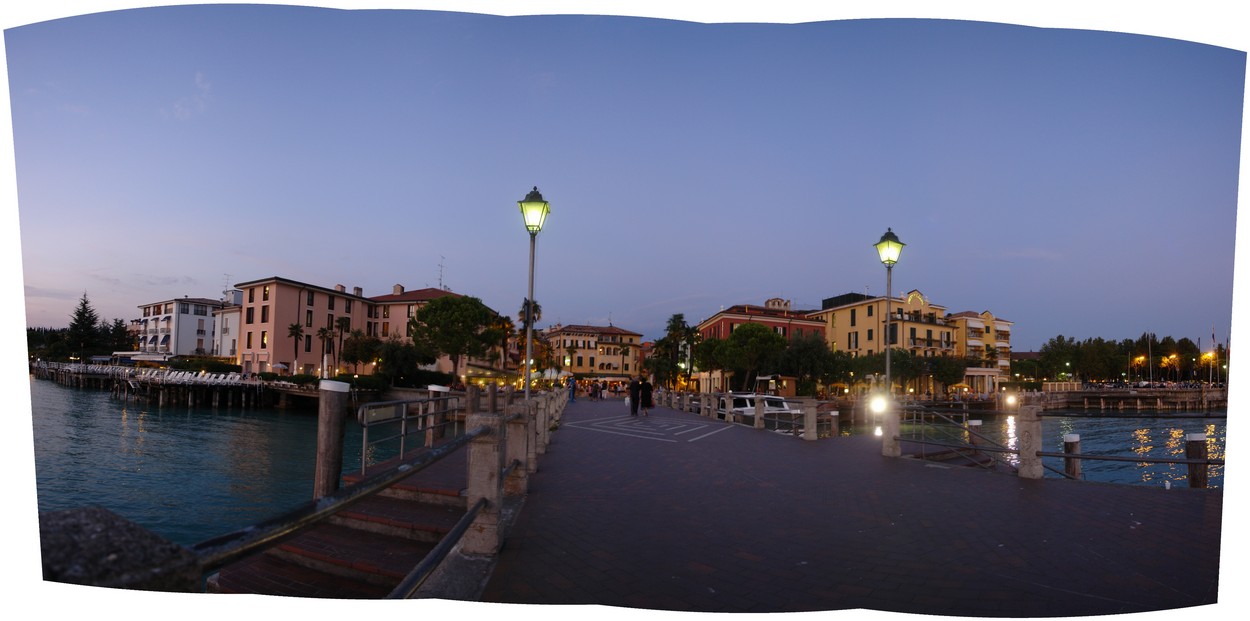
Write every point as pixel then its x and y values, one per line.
pixel 572 390
pixel 644 396
pixel 635 394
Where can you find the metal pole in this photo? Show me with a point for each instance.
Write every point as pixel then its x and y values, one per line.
pixel 529 321
pixel 889 269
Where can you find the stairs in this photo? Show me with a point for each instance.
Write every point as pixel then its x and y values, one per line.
pixel 363 551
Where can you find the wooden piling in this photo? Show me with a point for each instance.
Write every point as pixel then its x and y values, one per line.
pixel 331 419
pixel 1072 447
pixel 1196 448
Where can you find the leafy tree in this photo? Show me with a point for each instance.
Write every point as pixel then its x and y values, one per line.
pixel 342 326
pixel 359 348
pixel 808 359
pixel 750 348
pixel 326 336
pixel 456 326
pixel 947 371
pixel 400 361
pixel 531 313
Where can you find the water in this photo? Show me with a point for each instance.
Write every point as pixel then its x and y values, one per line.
pixel 186 474
pixel 1138 436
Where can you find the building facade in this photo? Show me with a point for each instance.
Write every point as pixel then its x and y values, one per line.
pixel 856 323
pixel 775 314
pixel 985 341
pixel 178 327
pixel 603 353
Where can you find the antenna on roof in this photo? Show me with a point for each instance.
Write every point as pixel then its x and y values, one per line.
pixel 440 272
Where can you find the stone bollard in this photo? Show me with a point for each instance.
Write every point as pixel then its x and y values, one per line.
pixel 517 450
pixel 1072 447
pixel 486 451
pixel 809 407
pixel 543 421
pixel 1029 429
pixel 890 445
pixel 759 412
pixel 331 418
pixel 1196 448
pixel 531 434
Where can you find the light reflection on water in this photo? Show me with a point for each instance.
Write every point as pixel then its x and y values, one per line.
pixel 1144 437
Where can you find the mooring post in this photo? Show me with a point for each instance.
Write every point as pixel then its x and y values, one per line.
pixel 1072 447
pixel 1030 432
pixel 974 434
pixel 331 418
pixel 809 406
pixel 759 412
pixel 1196 448
pixel 531 434
pixel 517 451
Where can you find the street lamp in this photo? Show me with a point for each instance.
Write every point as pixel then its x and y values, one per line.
pixel 889 249
pixel 534 210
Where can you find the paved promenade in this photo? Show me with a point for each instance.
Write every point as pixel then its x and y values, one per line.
pixel 678 512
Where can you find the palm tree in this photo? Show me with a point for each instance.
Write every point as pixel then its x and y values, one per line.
pixel 296 332
pixel 326 335
pixel 531 313
pixel 344 326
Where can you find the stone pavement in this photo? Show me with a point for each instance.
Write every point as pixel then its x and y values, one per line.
pixel 682 513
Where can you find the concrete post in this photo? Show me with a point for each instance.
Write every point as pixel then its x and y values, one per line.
pixel 890 445
pixel 1072 447
pixel 1196 448
pixel 759 412
pixel 809 419
pixel 331 416
pixel 484 536
pixel 1029 427
pixel 531 435
pixel 543 420
pixel 517 450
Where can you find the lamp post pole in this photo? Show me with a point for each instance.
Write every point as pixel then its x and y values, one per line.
pixel 534 210
pixel 888 250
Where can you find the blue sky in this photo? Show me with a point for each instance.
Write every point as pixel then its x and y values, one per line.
pixel 1076 182
pixel 1074 172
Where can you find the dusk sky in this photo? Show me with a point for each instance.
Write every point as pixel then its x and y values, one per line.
pixel 1075 182
pixel 1074 173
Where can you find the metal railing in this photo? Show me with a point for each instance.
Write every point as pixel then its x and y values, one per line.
pixel 434 418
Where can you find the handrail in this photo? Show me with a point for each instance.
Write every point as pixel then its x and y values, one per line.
pixel 426 567
pixel 402 418
pixel 219 551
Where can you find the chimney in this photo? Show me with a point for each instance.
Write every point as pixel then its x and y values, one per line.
pixel 398 289
pixel 340 288
pixel 356 291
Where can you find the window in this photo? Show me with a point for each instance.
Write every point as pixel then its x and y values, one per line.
pixel 248 318
pixel 264 339
pixel 331 307
pixel 311 298
pixel 870 311
pixel 852 318
pixel 330 320
pixel 412 310
pixel 386 328
pixel 307 342
pixel 201 310
pixel 251 295
pixel 248 340
pixel 264 294
pixel 579 361
pixel 347 306
pixel 869 334
pixel 386 312
pixel 264 314
pixel 308 318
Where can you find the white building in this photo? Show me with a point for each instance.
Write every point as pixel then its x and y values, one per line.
pixel 178 327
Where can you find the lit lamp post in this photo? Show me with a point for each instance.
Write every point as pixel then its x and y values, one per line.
pixel 534 210
pixel 889 249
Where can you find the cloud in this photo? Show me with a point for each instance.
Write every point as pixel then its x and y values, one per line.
pixel 194 104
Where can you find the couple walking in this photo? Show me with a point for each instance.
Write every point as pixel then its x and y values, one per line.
pixel 639 395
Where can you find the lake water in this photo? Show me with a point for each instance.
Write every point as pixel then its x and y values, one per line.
pixel 189 474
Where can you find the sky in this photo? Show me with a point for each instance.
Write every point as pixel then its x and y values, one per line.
pixel 1072 181
pixel 1075 173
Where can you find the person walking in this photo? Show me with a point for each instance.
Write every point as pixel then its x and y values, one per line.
pixel 644 396
pixel 572 390
pixel 634 395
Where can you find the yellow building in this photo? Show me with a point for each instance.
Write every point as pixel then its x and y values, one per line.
pixel 601 353
pixel 985 341
pixel 855 323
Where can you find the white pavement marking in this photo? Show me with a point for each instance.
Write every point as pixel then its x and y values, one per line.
pixel 646 428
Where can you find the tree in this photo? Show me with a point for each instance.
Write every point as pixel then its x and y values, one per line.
pixel 750 348
pixel 325 335
pixel 456 326
pixel 358 348
pixel 342 326
pixel 398 360
pixel 808 359
pixel 83 336
pixel 531 313
pixel 948 371
pixel 296 332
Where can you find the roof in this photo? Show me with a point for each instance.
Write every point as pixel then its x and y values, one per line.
pixel 591 330
pixel 420 295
